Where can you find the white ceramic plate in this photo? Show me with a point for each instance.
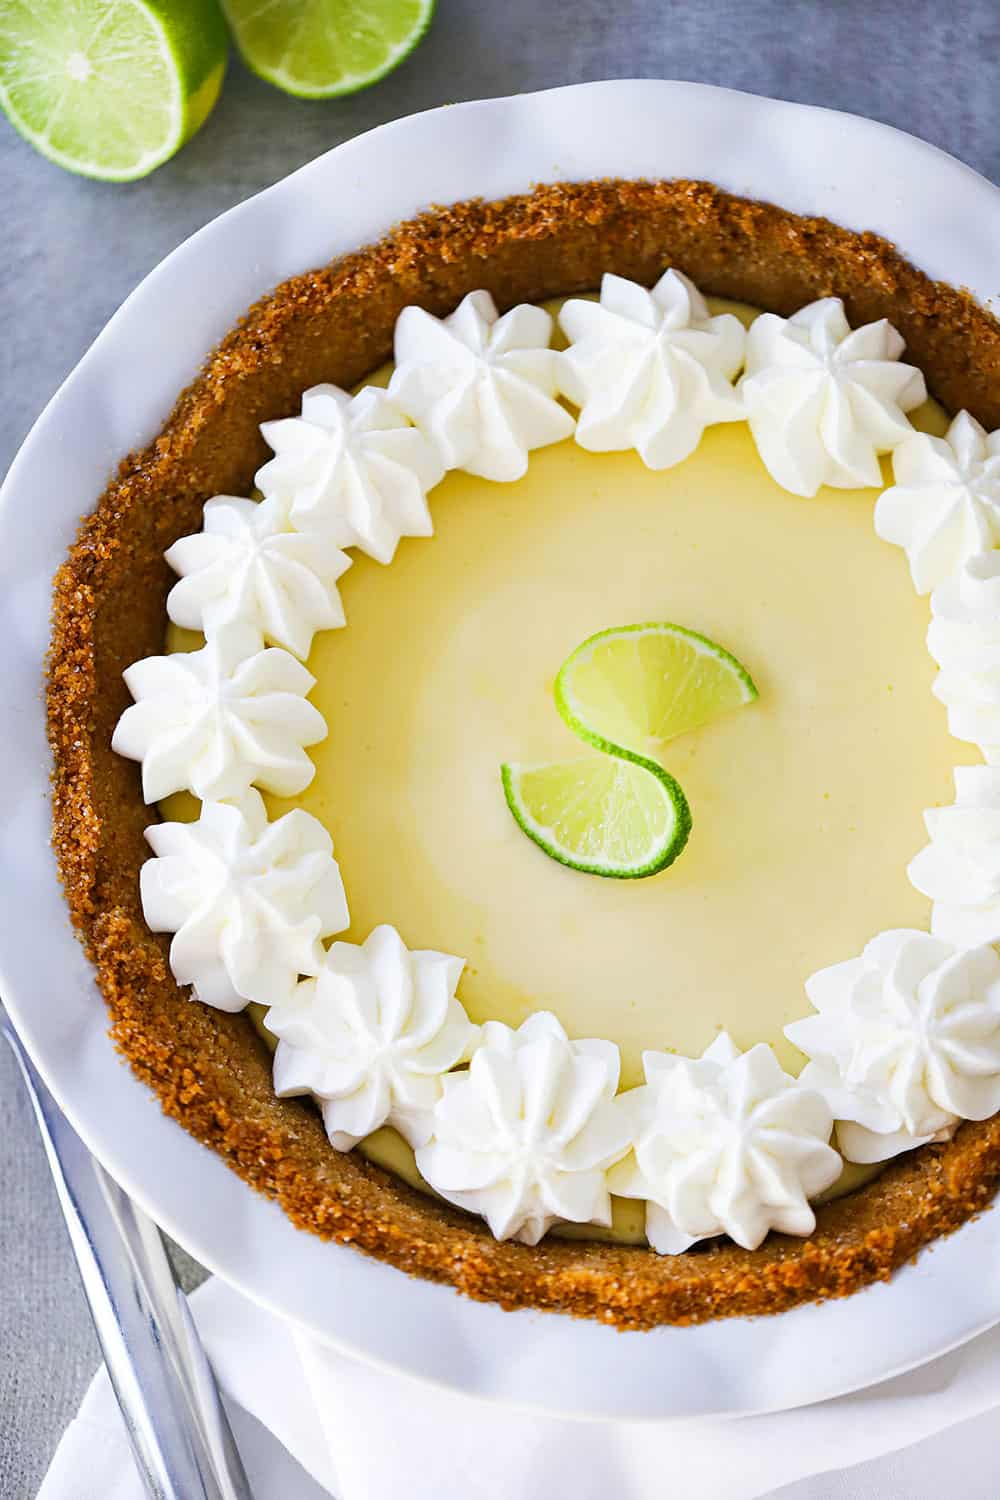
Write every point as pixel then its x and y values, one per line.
pixel 943 217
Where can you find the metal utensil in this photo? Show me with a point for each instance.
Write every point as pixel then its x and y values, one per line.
pixel 179 1433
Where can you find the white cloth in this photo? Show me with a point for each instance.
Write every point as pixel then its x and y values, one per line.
pixel 311 1423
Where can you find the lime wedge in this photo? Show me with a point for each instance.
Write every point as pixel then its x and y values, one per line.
pixel 640 685
pixel 318 48
pixel 615 815
pixel 110 88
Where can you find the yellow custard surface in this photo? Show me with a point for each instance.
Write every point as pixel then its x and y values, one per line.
pixel 806 805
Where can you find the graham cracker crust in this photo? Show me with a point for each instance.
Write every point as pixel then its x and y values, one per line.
pixel 210 1070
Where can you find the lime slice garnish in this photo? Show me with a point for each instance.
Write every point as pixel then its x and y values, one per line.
pixel 317 48
pixel 623 691
pixel 110 88
pixel 640 685
pixel 616 815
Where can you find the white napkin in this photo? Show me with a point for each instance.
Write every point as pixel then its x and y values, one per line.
pixel 311 1423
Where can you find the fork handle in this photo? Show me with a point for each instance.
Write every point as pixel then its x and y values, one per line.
pixel 179 1434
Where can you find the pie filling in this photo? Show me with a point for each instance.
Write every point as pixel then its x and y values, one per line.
pixel 807 807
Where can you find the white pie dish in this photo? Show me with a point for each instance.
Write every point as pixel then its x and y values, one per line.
pixel 115 400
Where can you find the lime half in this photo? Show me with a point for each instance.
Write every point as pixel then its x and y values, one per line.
pixel 318 48
pixel 110 88
pixel 640 685
pixel 616 815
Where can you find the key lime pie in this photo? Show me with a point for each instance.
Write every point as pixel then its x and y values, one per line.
pixel 501 779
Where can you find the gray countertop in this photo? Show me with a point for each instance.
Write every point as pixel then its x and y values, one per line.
pixel 73 249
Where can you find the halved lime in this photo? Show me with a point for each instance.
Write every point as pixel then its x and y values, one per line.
pixel 616 815
pixel 318 48
pixel 110 88
pixel 640 685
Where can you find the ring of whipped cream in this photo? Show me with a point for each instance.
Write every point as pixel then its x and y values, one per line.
pixel 527 1128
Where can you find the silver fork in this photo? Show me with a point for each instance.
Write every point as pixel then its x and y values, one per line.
pixel 179 1433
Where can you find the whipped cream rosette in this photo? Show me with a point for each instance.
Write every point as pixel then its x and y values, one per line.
pixel 945 504
pixel 481 387
pixel 371 1037
pixel 960 868
pixel 248 901
pixel 905 1042
pixel 964 640
pixel 526 1134
pixel 352 468
pixel 248 565
pixel 824 400
pixel 650 369
pixel 217 720
pixel 727 1143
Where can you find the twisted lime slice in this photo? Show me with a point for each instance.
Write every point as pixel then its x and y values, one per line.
pixel 616 815
pixel 110 88
pixel 625 691
pixel 316 49
pixel 641 685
